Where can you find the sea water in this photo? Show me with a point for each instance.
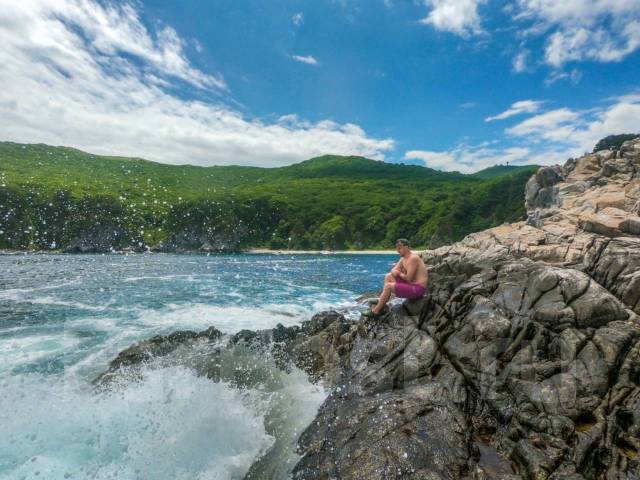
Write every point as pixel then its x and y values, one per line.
pixel 63 318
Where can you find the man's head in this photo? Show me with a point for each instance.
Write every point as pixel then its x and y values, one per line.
pixel 402 246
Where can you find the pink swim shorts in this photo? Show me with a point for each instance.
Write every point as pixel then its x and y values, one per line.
pixel 409 290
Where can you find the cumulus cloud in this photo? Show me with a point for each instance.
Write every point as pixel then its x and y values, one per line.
pixel 576 132
pixel 308 59
pixel 469 159
pixel 596 30
pixel 457 16
pixel 585 44
pixel 518 108
pixel 555 125
pixel 92 76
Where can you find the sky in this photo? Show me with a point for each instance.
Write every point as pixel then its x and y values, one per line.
pixel 449 84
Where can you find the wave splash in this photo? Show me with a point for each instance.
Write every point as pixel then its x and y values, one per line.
pixel 164 423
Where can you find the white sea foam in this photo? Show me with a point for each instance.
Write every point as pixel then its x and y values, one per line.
pixel 51 300
pixel 18 293
pixel 228 319
pixel 22 350
pixel 188 277
pixel 125 326
pixel 168 425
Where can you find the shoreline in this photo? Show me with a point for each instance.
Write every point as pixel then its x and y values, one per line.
pixel 250 251
pixel 254 251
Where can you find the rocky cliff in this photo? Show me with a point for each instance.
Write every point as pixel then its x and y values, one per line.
pixel 523 361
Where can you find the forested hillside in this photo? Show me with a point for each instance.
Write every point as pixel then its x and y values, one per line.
pixel 62 198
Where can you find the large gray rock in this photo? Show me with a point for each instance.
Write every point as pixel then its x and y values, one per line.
pixel 526 364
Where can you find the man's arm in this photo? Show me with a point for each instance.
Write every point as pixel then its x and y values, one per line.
pixel 412 267
pixel 397 269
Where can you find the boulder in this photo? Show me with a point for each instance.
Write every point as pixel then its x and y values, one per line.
pixel 610 222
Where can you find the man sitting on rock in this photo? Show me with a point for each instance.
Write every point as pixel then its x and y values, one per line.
pixel 407 279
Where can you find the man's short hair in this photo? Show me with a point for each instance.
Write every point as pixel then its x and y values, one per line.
pixel 402 241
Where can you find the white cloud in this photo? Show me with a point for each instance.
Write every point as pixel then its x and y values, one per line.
pixel 106 32
pixel 90 75
pixel 547 138
pixel 574 76
pixel 584 12
pixel 518 108
pixel 297 19
pixel 599 45
pixel 437 160
pixel 457 16
pixel 555 125
pixel 469 159
pixel 308 59
pixel 573 132
pixel 520 61
pixel 595 30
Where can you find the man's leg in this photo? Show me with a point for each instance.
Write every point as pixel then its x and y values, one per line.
pixel 384 297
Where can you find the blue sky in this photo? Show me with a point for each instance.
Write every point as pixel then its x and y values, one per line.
pixel 451 84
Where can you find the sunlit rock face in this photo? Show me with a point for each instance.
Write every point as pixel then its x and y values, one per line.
pixel 584 215
pixel 522 362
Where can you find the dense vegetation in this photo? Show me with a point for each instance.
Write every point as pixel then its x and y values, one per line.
pixel 54 197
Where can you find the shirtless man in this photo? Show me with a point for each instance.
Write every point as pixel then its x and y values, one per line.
pixel 407 279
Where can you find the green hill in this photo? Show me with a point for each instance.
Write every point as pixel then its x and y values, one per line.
pixel 500 170
pixel 58 197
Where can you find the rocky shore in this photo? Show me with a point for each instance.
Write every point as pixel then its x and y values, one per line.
pixel 522 362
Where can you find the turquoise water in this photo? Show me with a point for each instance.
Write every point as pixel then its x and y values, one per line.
pixel 64 317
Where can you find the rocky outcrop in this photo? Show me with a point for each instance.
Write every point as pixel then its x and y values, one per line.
pixel 523 361
pixel 512 370
pixel 154 348
pixel 584 215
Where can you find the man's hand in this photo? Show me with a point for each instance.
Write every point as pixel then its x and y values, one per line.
pixel 395 271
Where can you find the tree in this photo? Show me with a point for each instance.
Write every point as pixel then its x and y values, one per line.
pixel 332 234
pixel 614 142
